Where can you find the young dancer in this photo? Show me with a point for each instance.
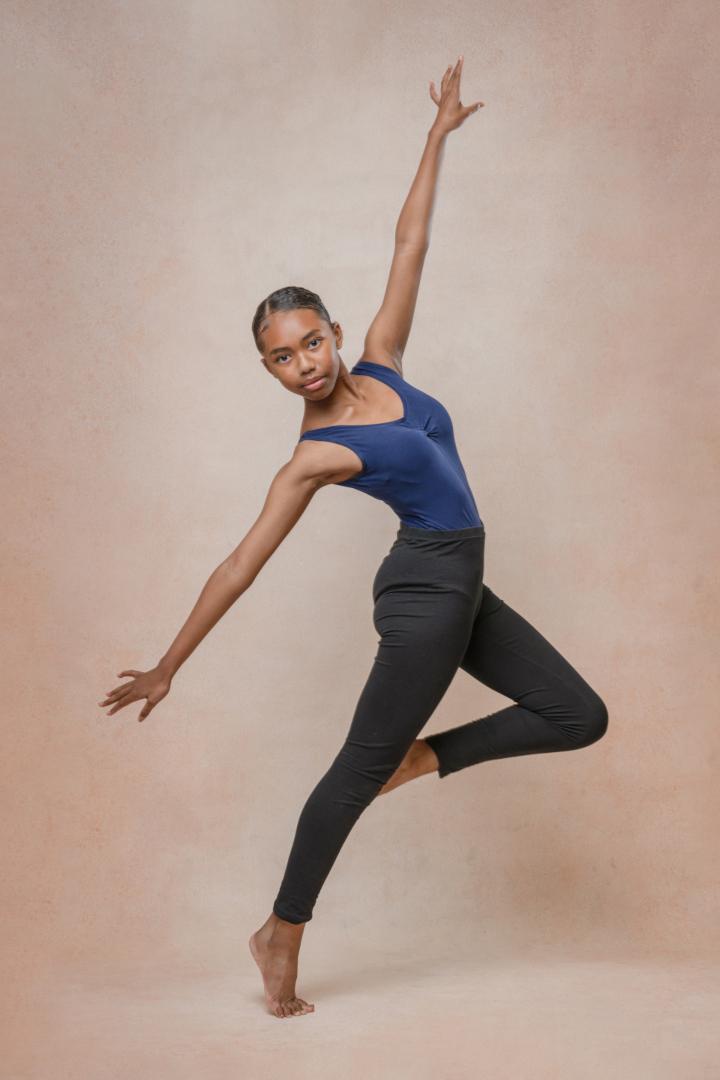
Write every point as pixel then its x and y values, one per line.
pixel 372 430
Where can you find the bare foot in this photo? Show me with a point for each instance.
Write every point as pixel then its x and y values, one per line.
pixel 419 760
pixel 275 947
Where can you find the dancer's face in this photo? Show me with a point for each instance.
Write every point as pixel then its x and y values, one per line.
pixel 299 346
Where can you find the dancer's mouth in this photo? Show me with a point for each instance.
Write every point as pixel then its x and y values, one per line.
pixel 315 384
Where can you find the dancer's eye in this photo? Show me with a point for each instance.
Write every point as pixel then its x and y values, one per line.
pixel 283 355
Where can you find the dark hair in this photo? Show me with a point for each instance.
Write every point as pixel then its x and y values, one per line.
pixel 287 299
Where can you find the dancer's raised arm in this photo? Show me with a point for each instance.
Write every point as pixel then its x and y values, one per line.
pixel 389 331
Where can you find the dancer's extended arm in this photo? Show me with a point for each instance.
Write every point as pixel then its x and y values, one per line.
pixel 288 496
pixel 388 333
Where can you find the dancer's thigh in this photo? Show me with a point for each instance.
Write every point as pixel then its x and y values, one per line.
pixel 506 653
pixel 423 635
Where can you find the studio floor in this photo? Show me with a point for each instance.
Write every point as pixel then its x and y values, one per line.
pixel 380 1016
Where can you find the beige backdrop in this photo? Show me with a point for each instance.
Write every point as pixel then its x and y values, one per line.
pixel 165 167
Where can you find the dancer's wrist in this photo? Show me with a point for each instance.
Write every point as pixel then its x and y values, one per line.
pixel 437 134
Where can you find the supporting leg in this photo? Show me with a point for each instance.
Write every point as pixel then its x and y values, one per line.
pixel 424 634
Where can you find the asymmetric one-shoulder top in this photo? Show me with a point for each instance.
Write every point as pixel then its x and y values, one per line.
pixel 412 464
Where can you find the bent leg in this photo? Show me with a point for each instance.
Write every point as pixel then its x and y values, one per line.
pixel 423 637
pixel 555 707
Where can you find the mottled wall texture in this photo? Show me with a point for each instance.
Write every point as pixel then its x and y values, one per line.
pixel 167 165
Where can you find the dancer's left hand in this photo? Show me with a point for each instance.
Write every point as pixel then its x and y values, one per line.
pixel 451 112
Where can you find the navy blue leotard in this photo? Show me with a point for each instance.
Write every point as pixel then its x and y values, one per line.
pixel 412 464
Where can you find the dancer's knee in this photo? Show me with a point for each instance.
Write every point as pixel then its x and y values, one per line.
pixel 360 771
pixel 594 720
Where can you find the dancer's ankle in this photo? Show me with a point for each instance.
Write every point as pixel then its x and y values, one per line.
pixel 284 927
pixel 431 762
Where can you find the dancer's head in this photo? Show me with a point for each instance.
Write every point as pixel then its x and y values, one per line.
pixel 297 340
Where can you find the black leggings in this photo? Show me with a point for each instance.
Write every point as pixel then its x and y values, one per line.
pixel 434 615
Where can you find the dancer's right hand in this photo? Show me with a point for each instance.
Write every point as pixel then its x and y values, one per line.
pixel 152 685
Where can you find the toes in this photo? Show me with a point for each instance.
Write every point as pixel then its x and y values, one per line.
pixel 298 1007
pixel 293 1007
